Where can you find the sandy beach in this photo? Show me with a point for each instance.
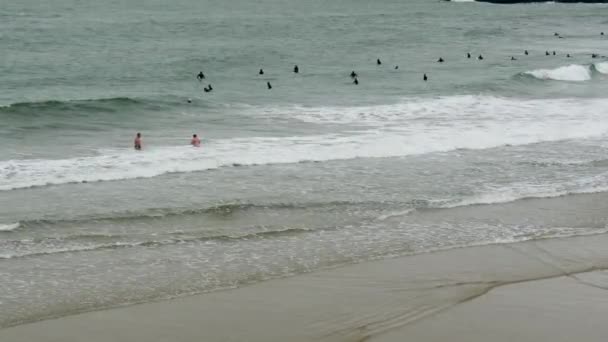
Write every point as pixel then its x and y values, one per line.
pixel 546 290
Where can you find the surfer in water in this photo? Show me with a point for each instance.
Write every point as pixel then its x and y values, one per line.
pixel 424 78
pixel 296 69
pixel 137 142
pixel 353 74
pixel 440 60
pixel 261 72
pixel 200 76
pixel 468 55
pixel 526 52
pixel 196 142
pixel 268 85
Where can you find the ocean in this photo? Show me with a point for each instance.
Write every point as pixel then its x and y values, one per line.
pixel 315 173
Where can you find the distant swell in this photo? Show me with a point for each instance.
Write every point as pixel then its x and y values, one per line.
pixel 66 108
pixel 21 106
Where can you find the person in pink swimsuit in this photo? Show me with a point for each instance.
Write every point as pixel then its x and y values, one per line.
pixel 137 142
pixel 196 142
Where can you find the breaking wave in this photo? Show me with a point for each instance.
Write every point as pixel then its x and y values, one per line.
pixel 571 73
pixel 418 126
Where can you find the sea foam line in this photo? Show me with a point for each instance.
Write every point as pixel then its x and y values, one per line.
pixel 411 128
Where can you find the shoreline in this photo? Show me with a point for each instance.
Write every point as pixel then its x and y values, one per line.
pixel 384 299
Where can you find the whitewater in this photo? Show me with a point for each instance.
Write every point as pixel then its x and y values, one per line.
pixel 570 73
pixel 574 73
pixel 409 128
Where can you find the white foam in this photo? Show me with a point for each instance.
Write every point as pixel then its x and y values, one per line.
pixel 442 111
pixel 517 191
pixel 393 214
pixel 413 127
pixel 9 227
pixel 601 67
pixel 572 73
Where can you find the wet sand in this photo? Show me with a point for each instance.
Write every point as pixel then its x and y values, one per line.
pixel 569 308
pixel 544 290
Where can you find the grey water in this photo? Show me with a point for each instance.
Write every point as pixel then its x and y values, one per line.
pixel 313 173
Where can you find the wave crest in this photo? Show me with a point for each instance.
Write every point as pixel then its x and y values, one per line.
pixel 601 67
pixel 88 243
pixel 69 108
pixel 570 73
pixel 9 227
